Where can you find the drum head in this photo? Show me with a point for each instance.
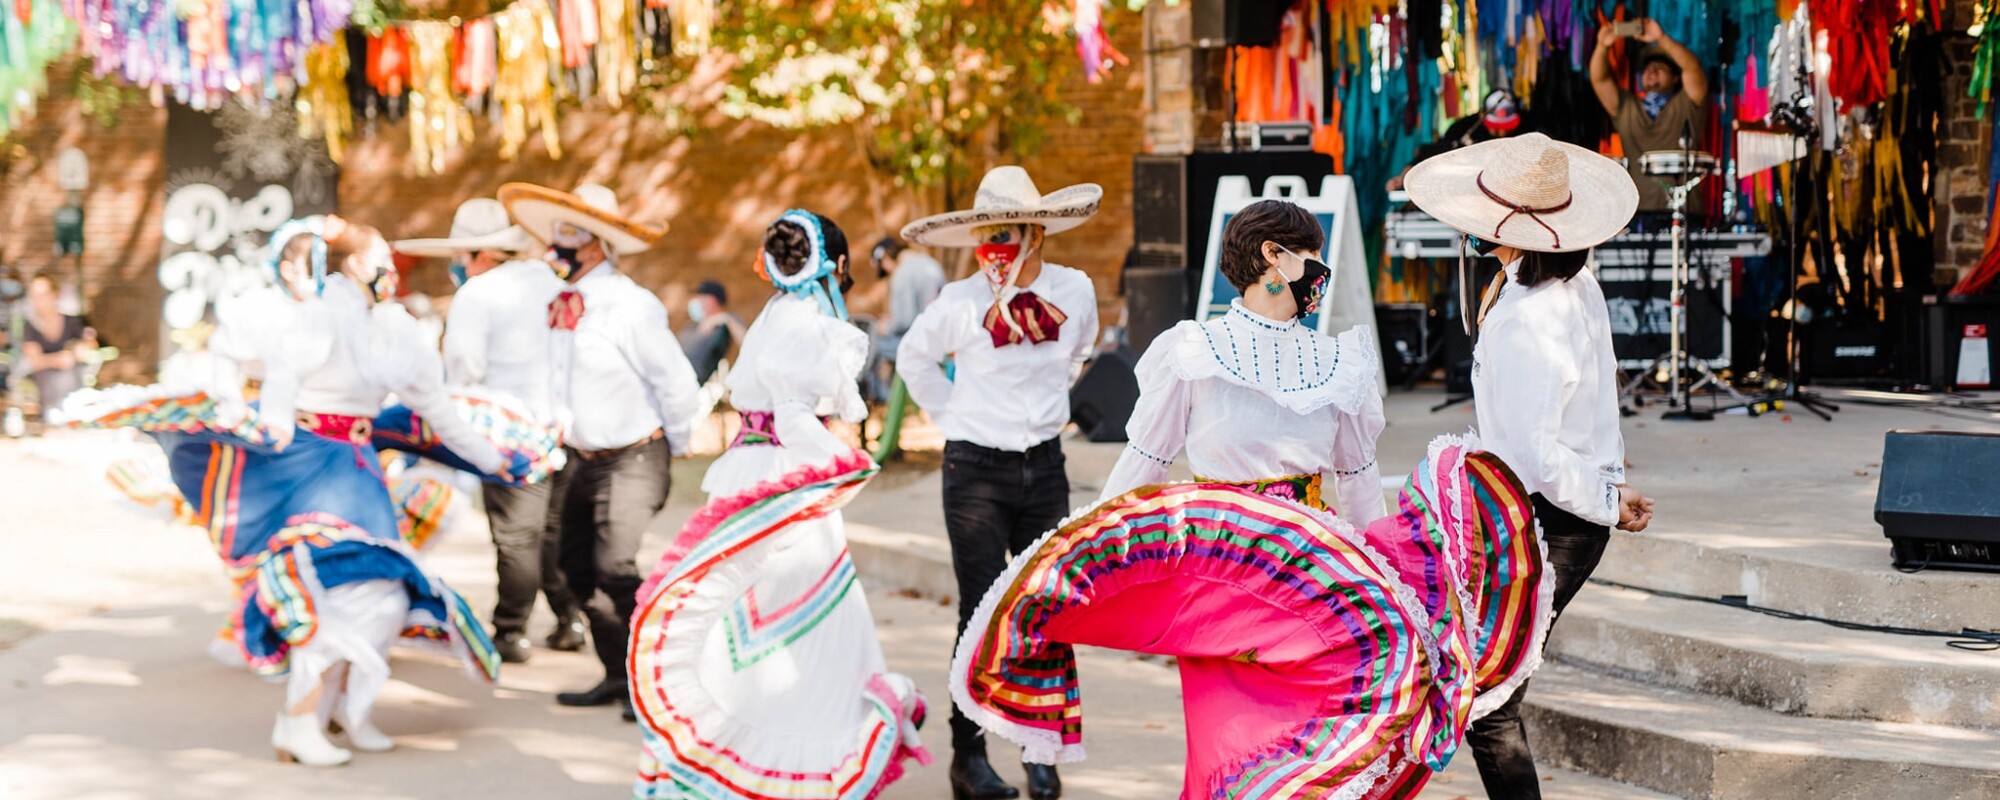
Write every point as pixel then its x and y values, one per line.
pixel 1676 163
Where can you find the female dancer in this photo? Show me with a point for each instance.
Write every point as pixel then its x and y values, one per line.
pixel 1543 370
pixel 1316 660
pixel 292 493
pixel 754 666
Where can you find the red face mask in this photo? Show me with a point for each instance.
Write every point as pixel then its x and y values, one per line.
pixel 997 255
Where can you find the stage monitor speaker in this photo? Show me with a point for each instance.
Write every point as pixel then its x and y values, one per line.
pixel 1101 402
pixel 1155 300
pixel 1404 343
pixel 1939 499
pixel 1220 23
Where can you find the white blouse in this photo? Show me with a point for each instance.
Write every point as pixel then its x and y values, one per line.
pixel 336 354
pixel 1250 398
pixel 1546 385
pixel 798 364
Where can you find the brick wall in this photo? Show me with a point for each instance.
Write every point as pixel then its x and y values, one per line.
pixel 718 186
pixel 1959 185
pixel 121 214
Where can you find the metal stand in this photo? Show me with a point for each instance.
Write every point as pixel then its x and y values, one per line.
pixel 1797 115
pixel 1676 358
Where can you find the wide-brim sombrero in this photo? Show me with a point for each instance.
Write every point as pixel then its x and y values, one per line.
pixel 1008 196
pixel 479 224
pixel 1500 190
pixel 592 208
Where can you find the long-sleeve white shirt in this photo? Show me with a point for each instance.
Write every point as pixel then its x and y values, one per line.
pixel 1546 387
pixel 621 374
pixel 497 335
pixel 1249 398
pixel 335 354
pixel 1005 398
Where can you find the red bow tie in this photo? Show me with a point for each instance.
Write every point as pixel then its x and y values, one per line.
pixel 1037 321
pixel 566 310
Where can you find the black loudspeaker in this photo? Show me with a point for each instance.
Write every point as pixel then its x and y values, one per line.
pixel 1218 23
pixel 1101 402
pixel 1402 329
pixel 1155 300
pixel 1173 197
pixel 1845 349
pixel 1939 499
pixel 1943 327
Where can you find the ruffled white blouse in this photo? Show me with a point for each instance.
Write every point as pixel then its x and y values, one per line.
pixel 1249 398
pixel 337 354
pixel 798 364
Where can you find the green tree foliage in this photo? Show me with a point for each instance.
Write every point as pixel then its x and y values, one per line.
pixel 929 84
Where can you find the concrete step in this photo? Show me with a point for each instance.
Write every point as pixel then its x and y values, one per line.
pixel 1841 578
pixel 1700 747
pixel 1793 667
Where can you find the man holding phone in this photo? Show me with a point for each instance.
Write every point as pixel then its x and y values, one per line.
pixel 1671 104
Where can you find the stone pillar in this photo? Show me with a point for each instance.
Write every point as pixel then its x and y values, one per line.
pixel 1958 184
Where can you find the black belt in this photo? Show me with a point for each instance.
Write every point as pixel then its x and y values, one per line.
pixel 1047 449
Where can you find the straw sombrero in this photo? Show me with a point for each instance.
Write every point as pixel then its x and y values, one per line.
pixel 480 224
pixel 1007 195
pixel 592 208
pixel 1529 192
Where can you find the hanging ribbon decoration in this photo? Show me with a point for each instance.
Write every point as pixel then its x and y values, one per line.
pixel 322 103
pixel 617 54
pixel 437 122
pixel 528 46
pixel 33 34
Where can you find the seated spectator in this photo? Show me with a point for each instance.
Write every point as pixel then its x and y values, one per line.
pixel 53 344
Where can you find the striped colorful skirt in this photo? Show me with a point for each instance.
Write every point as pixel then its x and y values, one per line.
pixel 1316 660
pixel 320 513
pixel 754 663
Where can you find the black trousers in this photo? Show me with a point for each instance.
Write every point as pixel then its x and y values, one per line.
pixel 996 504
pixel 527 529
pixel 1500 740
pixel 607 506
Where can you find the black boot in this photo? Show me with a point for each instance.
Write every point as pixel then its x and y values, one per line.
pixel 1043 782
pixel 513 646
pixel 568 635
pixel 604 693
pixel 973 778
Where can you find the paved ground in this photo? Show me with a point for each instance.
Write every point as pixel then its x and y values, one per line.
pixel 106 691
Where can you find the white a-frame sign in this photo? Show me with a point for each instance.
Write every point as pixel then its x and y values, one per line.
pixel 1350 301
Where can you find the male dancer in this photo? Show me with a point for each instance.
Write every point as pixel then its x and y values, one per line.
pixel 495 337
pixel 1017 334
pixel 625 396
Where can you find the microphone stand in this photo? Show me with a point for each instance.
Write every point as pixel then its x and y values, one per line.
pixel 1798 117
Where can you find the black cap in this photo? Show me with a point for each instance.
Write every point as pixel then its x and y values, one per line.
pixel 713 289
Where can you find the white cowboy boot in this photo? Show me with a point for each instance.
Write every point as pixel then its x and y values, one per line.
pixel 364 736
pixel 299 740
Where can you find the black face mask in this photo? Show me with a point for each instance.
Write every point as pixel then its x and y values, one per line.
pixel 1310 288
pixel 569 263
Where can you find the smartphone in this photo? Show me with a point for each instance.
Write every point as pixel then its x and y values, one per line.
pixel 1629 28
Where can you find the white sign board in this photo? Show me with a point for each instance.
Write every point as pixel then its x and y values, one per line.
pixel 1350 301
pixel 72 170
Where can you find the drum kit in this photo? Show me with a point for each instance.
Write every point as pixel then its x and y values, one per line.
pixel 1679 172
